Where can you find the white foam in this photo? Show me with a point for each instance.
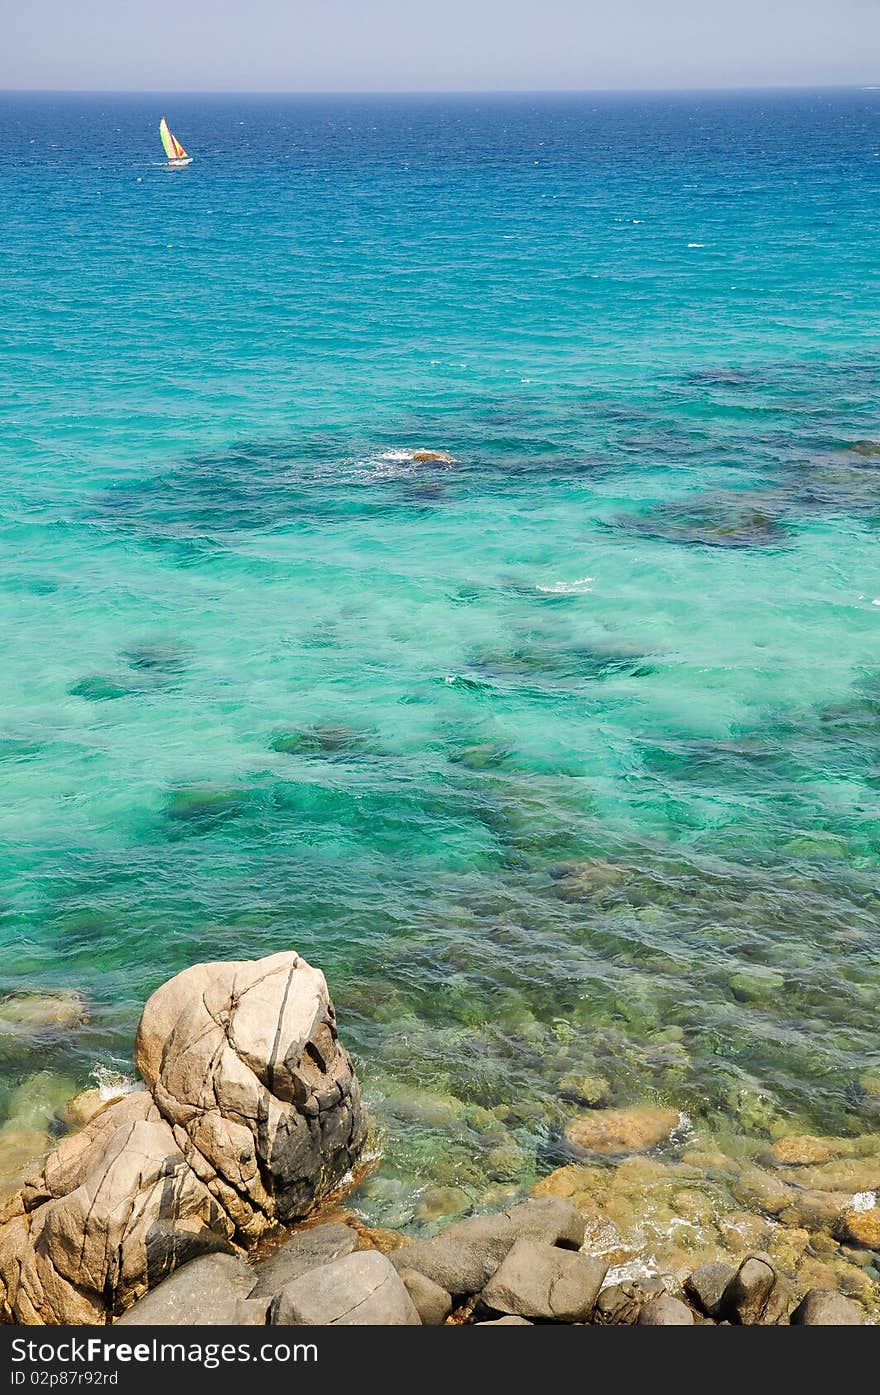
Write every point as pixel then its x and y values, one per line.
pixel 111 1084
pixel 628 1273
pixel 568 588
pixel 863 1201
pixel 684 1131
pixel 696 244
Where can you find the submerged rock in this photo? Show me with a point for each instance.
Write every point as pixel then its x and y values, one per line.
pixel 723 520
pixel 756 985
pixel 33 1014
pixel 485 755
pixel 202 805
pixel 101 688
pixel 439 1203
pixel 867 448
pixel 591 1090
pixel 333 742
pixel 35 1102
pixel 252 1113
pixel 581 881
pixel 21 1150
pixel 614 1132
pixel 803 1150
pixel 162 659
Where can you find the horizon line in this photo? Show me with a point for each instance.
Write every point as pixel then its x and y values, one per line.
pixel 434 92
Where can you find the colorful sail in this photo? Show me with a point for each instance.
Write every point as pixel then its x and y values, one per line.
pixel 173 149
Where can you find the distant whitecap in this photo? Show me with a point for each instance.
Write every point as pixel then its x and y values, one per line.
pixel 568 588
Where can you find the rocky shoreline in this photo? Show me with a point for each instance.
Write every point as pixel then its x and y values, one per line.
pixel 174 1203
pixel 519 1267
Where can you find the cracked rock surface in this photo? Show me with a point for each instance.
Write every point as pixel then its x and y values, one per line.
pixel 251 1114
pixel 359 1290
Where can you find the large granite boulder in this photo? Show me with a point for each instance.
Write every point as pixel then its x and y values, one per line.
pixel 252 1114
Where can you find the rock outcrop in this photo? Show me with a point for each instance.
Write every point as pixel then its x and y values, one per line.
pixel 252 1113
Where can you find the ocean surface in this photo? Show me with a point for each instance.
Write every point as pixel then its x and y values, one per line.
pixel 562 759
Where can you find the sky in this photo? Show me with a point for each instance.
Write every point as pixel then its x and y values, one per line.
pixel 435 45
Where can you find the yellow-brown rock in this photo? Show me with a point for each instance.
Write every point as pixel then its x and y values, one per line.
pixel 803 1150
pixel 432 457
pixel 616 1132
pixel 859 1226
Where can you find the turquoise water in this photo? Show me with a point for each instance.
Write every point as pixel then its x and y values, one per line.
pixel 535 752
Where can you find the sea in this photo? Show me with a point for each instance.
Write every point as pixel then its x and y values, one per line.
pixel 557 750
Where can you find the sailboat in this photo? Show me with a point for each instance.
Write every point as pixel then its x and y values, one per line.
pixel 177 156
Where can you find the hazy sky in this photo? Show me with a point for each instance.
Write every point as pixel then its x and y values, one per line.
pixel 435 45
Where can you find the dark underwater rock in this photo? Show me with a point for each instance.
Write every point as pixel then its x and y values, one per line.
pixel 332 742
pixel 485 755
pixel 156 658
pixel 100 688
pixel 867 448
pixel 722 378
pixel 728 521
pixel 203 805
pixel 552 665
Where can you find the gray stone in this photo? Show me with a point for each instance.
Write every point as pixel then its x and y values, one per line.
pixel 825 1307
pixel 307 1249
pixel 209 1292
pixel 619 1305
pixel 747 1298
pixel 706 1286
pixel 432 1303
pixel 665 1311
pixel 359 1290
pixel 464 1256
pixel 509 1321
pixel 536 1280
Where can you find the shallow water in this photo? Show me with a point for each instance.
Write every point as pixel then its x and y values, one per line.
pixel 269 683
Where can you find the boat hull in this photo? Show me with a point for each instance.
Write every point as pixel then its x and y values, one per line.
pixel 179 164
